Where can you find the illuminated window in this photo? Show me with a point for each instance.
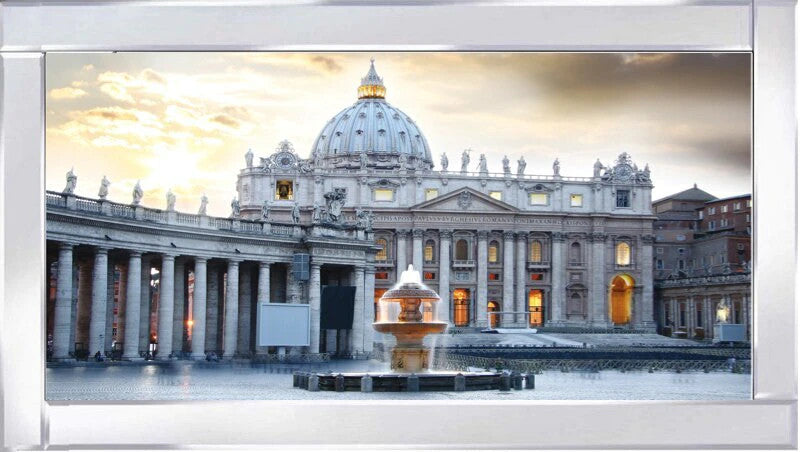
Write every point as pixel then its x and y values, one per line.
pixel 383 194
pixel 462 253
pixel 493 250
pixel 429 247
pixel 535 308
pixel 498 195
pixel 284 190
pixel 623 198
pixel 537 276
pixel 461 307
pixel 381 275
pixel 623 254
pixel 429 275
pixel 536 251
pixel 383 254
pixel 576 200
pixel 431 193
pixel 494 276
pixel 538 199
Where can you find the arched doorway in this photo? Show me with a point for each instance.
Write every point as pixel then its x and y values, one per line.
pixel 621 299
pixel 494 319
pixel 535 308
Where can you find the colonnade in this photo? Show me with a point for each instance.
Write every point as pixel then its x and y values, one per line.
pixel 707 304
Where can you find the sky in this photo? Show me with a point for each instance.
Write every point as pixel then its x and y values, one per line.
pixel 183 121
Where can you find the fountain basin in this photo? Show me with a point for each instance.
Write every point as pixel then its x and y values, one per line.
pixel 410 332
pixel 398 382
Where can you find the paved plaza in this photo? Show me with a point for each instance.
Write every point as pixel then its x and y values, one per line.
pixel 201 381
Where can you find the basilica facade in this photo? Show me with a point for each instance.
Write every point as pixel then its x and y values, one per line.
pixel 503 250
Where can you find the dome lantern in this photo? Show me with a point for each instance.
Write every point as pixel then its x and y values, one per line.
pixel 371 85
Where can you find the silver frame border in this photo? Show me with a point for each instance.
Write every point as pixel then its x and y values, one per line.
pixel 767 27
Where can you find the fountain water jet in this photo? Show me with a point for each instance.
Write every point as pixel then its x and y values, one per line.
pixel 409 327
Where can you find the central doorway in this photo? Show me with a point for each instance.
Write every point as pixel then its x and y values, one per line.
pixel 536 316
pixel 494 319
pixel 621 299
pixel 461 307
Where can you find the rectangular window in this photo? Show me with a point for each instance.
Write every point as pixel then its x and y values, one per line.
pixel 429 276
pixel 538 199
pixel 723 222
pixel 749 203
pixel 494 276
pixel 747 218
pixel 700 214
pixel 498 195
pixel 381 275
pixel 537 276
pixel 711 225
pixel 431 193
pixel 383 194
pixel 284 190
pixel 623 198
pixel 699 320
pixel 576 200
pixel 724 209
pixel 737 206
pixel 712 210
pixel 428 253
pixel 681 264
pixel 659 250
pixel 659 264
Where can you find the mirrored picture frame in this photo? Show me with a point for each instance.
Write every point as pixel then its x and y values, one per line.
pixel 30 31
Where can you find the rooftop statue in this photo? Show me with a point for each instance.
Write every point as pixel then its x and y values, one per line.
pixel 465 160
pixel 137 193
pixel 363 159
pixel 265 209
pixel 506 165
pixel 203 205
pixel 556 168
pixel 316 216
pixel 295 213
pixel 521 164
pixel 482 164
pixel 103 193
pixel 598 167
pixel 72 182
pixel 444 162
pixel 235 209
pixel 170 200
pixel 266 162
pixel 248 158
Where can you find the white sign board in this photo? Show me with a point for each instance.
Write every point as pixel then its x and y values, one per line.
pixel 284 324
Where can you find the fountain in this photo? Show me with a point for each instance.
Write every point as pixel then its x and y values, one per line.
pixel 409 327
pixel 408 312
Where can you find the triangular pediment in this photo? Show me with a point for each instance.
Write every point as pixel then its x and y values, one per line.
pixel 466 200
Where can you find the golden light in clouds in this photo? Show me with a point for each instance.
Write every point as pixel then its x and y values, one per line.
pixel 185 120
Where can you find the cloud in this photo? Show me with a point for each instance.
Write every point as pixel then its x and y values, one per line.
pixel 118 92
pixel 88 67
pixel 67 92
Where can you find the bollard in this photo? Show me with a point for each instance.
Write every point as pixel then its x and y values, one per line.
pixel 505 382
pixel 460 383
pixel 530 380
pixel 313 383
pixel 516 381
pixel 295 380
pixel 339 383
pixel 366 383
pixel 304 380
pixel 412 383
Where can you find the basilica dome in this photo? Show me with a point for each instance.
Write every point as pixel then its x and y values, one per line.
pixel 372 126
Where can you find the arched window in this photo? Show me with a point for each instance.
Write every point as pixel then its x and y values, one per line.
pixel 462 251
pixel 623 254
pixel 429 248
pixel 536 251
pixel 575 253
pixel 493 252
pixel 382 255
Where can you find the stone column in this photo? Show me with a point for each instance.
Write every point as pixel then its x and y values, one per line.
pixel 557 278
pixel 262 297
pixel 402 264
pixel 144 309
pixel 199 308
pixel 122 304
pixel 97 325
pixel 166 306
pixel 444 275
pixel 600 300
pixel 369 307
pixel 314 300
pixel 521 267
pixel 646 265
pixel 508 277
pixel 133 296
pixel 357 337
pixel 84 307
pixel 63 310
pixel 416 249
pixel 231 310
pixel 243 345
pixel 179 302
pixel 212 308
pixel 108 335
pixel 483 279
